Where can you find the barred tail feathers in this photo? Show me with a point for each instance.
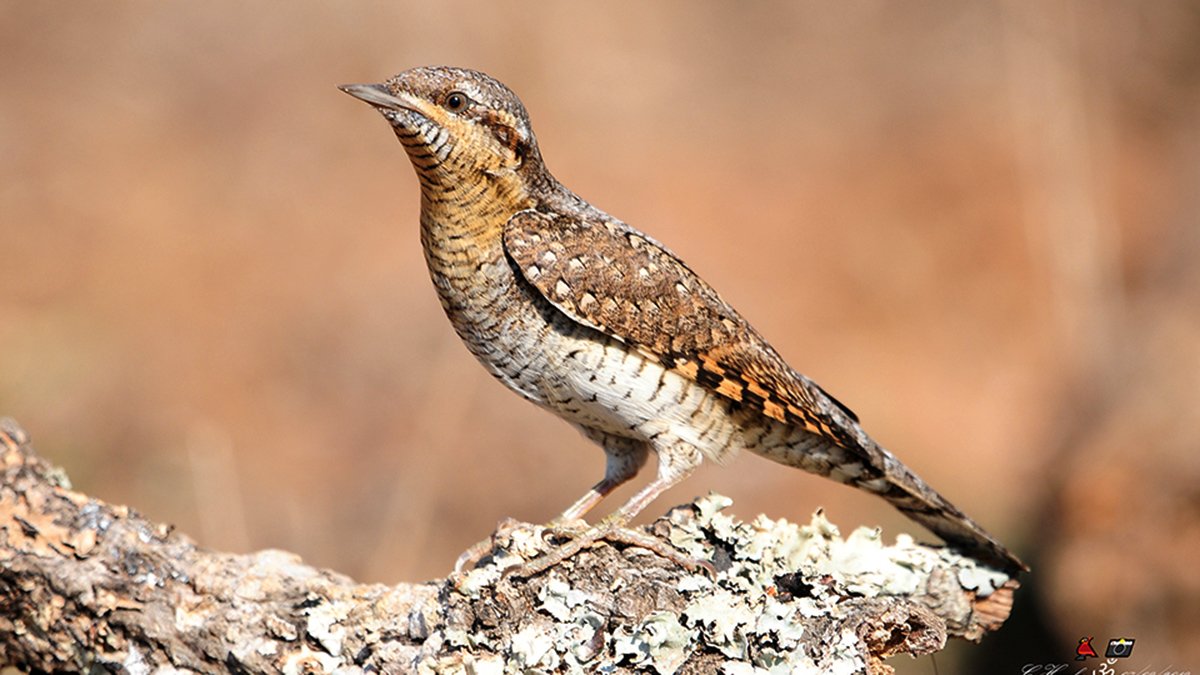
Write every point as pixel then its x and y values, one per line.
pixel 858 461
pixel 914 498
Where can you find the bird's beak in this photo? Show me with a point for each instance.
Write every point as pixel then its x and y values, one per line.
pixel 379 96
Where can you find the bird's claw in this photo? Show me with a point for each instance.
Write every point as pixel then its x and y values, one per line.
pixel 611 531
pixel 469 559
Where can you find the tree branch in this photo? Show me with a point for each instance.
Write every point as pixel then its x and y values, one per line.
pixel 85 584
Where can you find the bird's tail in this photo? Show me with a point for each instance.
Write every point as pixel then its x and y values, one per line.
pixel 914 498
pixel 853 458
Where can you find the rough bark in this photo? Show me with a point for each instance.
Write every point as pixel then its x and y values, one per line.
pixel 88 586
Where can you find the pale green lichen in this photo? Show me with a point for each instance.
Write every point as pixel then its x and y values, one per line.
pixel 579 638
pixel 558 598
pixel 534 649
pixel 723 619
pixel 846 656
pixel 739 613
pixel 777 620
pixel 659 641
pixel 974 577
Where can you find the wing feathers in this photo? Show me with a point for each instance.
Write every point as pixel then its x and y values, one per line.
pixel 615 280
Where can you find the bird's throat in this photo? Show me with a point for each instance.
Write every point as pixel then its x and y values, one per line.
pixel 462 226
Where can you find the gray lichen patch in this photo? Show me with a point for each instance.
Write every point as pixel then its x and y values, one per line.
pixel 785 598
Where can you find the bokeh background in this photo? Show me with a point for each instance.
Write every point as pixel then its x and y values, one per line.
pixel 975 223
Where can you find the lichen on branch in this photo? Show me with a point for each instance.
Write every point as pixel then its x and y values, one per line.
pixel 86 584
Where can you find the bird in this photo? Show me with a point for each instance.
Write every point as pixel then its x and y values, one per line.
pixel 602 325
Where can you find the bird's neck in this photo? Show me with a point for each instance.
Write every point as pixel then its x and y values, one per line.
pixel 454 213
pixel 472 210
pixel 462 229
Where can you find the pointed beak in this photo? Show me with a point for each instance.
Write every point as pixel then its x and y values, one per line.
pixel 379 96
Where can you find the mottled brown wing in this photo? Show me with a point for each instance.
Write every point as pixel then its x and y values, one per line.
pixel 605 275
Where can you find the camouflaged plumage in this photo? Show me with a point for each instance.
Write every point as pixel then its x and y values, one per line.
pixel 600 324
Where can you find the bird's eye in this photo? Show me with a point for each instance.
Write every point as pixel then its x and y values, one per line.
pixel 456 101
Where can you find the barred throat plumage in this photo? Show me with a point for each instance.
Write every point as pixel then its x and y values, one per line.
pixel 607 328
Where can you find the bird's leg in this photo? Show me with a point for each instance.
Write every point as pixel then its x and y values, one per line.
pixel 624 457
pixel 675 462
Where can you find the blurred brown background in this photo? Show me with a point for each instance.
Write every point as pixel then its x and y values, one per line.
pixel 974 223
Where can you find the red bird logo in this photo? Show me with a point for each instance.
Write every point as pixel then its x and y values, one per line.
pixel 1084 649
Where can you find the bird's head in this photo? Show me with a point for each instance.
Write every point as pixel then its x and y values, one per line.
pixel 456 124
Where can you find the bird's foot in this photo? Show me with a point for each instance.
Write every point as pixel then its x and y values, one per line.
pixel 567 529
pixel 470 558
pixel 579 537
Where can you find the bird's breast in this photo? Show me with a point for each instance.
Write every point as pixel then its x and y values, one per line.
pixel 582 375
